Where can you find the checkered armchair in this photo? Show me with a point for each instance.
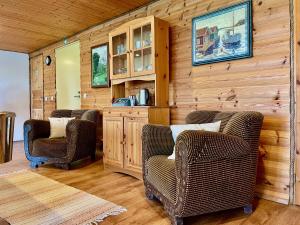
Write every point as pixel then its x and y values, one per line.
pixel 212 171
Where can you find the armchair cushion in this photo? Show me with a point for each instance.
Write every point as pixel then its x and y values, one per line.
pixel 177 129
pixel 160 172
pixel 58 126
pixel 52 148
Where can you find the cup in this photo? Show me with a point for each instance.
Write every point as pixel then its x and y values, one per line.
pixel 138 44
pixel 132 99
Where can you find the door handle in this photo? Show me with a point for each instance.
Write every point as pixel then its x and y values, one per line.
pixel 76 96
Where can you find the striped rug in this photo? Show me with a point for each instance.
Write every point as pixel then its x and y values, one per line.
pixel 29 198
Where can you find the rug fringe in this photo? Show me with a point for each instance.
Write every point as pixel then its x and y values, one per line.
pixel 113 212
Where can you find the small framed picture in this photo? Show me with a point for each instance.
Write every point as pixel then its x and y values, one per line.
pixel 100 66
pixel 225 34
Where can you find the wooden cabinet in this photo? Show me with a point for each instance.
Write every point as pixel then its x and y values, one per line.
pixel 113 144
pixel 137 46
pixel 141 42
pixel 122 131
pixel 139 58
pixel 133 143
pixel 119 53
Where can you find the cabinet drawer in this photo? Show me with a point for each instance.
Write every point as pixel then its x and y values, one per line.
pixel 126 112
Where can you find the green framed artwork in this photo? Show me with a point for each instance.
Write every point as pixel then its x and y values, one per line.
pixel 100 66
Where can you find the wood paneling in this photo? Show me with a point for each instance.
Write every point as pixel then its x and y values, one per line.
pixel 29 25
pixel 260 83
pixel 297 77
pixel 49 84
pixel 37 87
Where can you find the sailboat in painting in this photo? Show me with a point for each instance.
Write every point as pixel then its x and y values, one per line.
pixel 232 39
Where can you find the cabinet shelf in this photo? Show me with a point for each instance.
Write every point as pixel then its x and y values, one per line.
pixel 122 54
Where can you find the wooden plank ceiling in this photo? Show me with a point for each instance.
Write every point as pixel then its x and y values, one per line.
pixel 28 25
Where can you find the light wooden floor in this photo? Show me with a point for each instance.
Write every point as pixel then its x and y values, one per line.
pixel 129 192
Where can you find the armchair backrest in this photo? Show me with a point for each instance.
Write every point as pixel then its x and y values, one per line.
pixel 61 113
pixel 91 115
pixel 203 116
pixel 246 125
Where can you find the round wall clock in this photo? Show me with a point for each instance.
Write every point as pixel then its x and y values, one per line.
pixel 48 60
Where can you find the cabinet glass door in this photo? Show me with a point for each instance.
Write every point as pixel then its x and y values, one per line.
pixel 142 57
pixel 120 55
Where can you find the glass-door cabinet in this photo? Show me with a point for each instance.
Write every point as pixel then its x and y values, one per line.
pixel 142 45
pixel 119 54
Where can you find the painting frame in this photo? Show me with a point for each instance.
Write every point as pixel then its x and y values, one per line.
pixel 93 49
pixel 248 29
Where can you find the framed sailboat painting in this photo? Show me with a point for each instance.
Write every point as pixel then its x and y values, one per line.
pixel 223 35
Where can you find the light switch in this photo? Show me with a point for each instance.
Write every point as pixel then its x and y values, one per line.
pixel 46 98
pixel 52 98
pixel 84 95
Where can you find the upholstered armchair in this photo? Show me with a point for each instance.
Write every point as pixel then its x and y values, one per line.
pixel 212 171
pixel 80 141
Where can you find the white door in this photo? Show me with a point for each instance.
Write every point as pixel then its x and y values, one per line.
pixel 68 76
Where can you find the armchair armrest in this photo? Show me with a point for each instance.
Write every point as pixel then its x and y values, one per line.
pixel 209 168
pixel 156 140
pixel 34 129
pixel 81 139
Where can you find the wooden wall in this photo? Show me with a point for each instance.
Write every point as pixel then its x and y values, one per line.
pixel 49 83
pixel 261 83
pixel 297 76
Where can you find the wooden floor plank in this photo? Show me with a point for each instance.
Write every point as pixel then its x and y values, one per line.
pixel 129 192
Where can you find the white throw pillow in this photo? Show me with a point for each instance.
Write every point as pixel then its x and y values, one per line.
pixel 58 126
pixel 177 129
